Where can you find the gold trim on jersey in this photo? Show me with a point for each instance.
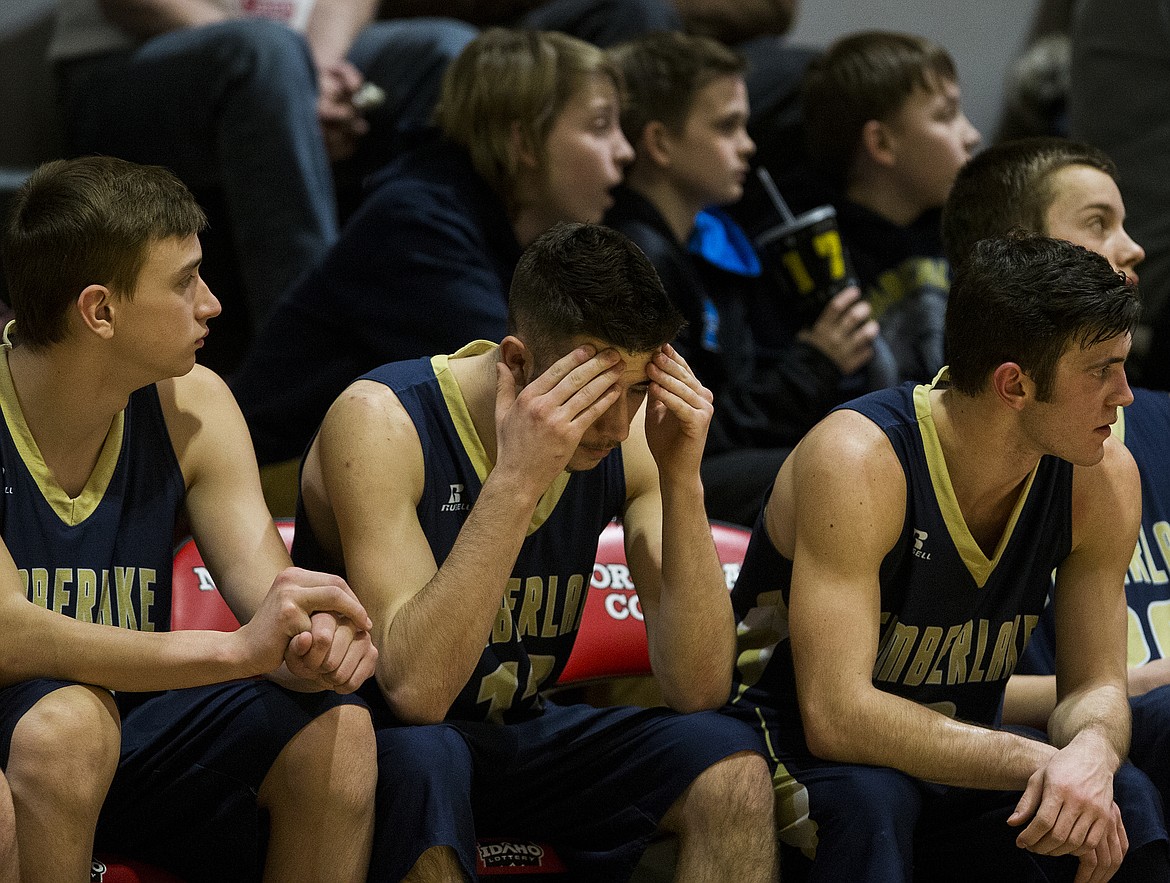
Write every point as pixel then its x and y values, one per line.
pixel 973 557
pixel 762 628
pixel 472 444
pixel 71 510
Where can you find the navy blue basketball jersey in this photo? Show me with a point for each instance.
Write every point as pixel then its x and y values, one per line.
pixel 1144 427
pixel 541 609
pixel 953 621
pixel 105 555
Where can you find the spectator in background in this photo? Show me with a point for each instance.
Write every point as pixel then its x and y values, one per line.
pixel 757 29
pixel 255 98
pixel 528 136
pixel 1036 91
pixel 886 130
pixel 606 22
pixel 600 22
pixel 1119 101
pixel 686 116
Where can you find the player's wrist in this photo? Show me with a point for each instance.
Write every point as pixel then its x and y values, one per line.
pixel 236 656
pixel 519 486
pixel 681 487
pixel 1099 744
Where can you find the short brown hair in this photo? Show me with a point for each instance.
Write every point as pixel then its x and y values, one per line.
pixel 585 279
pixel 862 77
pixel 86 221
pixel 663 72
pixel 1008 187
pixel 1027 298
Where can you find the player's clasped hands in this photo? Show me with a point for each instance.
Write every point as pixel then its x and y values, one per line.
pixel 335 654
pixel 313 622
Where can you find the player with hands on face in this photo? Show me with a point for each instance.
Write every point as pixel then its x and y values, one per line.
pixel 462 497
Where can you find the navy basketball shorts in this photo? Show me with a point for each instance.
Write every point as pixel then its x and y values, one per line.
pixel 866 823
pixel 184 795
pixel 1149 744
pixel 593 782
pixel 15 702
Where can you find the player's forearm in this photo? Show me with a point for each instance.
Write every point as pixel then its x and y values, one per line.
pixel 1150 676
pixel 1101 712
pixel 1029 700
pixel 887 730
pixel 148 18
pixel 431 645
pixel 691 626
pixel 40 643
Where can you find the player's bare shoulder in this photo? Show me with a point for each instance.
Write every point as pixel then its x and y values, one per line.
pixel 369 413
pixel 844 448
pixel 198 387
pixel 367 439
pixel 199 406
pixel 843 463
pixel 1109 492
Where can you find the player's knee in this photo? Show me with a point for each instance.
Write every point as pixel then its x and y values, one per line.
pixel 8 850
pixel 332 758
pixel 439 864
pixel 735 791
pixel 66 747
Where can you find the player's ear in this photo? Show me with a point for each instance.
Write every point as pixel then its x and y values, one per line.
pixel 1013 386
pixel 96 306
pixel 517 358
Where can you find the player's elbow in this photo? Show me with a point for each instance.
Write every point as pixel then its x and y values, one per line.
pixel 688 692
pixel 827 732
pixel 825 743
pixel 412 704
pixel 692 697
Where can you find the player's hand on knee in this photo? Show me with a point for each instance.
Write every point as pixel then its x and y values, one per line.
pixel 1100 864
pixel 1068 803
